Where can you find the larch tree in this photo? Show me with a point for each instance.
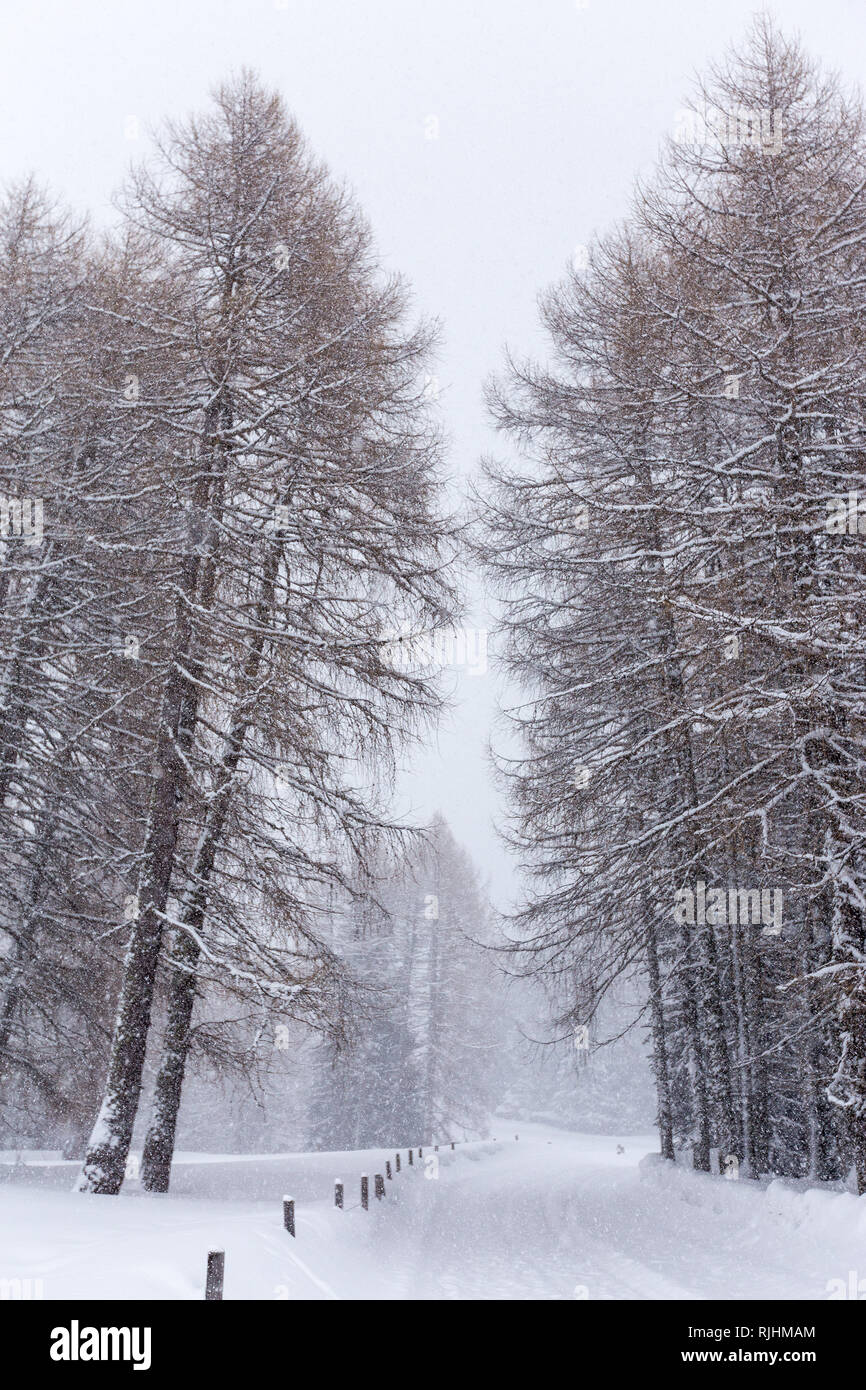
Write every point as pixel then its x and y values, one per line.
pixel 301 486
pixel 682 610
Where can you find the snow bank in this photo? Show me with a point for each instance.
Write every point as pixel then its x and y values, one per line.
pixel 828 1220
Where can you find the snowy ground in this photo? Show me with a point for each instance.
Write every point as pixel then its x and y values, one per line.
pixel 553 1216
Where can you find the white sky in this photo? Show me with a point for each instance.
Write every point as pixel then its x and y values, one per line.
pixel 546 113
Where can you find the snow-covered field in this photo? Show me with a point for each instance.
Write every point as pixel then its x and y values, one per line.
pixel 552 1216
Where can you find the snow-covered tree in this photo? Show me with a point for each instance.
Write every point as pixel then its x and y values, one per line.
pixel 299 488
pixel 683 610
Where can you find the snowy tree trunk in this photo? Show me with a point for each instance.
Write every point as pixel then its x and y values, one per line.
pixel 691 1018
pixel 25 945
pixel 159 1142
pixel 660 1053
pixel 719 1063
pixel 847 1089
pixel 108 1148
pixel 741 1010
pixel 758 1156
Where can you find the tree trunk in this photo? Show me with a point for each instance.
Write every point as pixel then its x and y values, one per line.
pixel 693 1034
pixel 660 1052
pixel 159 1141
pixel 759 1155
pixel 741 1006
pixel 719 1062
pixel 25 944
pixel 848 1087
pixel 108 1148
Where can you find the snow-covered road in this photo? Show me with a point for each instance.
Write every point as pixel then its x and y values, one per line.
pixel 553 1216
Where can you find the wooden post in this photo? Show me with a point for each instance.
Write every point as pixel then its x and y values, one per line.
pixel 338 1193
pixel 379 1187
pixel 452 1143
pixel 420 1153
pixel 365 1193
pixel 216 1268
pixel 289 1214
pixel 397 1162
pixel 388 1168
pixel 411 1159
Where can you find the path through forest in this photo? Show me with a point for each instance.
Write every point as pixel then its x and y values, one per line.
pixel 552 1216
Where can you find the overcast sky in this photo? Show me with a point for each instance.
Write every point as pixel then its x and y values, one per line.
pixel 485 140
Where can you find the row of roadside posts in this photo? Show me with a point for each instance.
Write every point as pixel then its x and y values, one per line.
pixel 216 1260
